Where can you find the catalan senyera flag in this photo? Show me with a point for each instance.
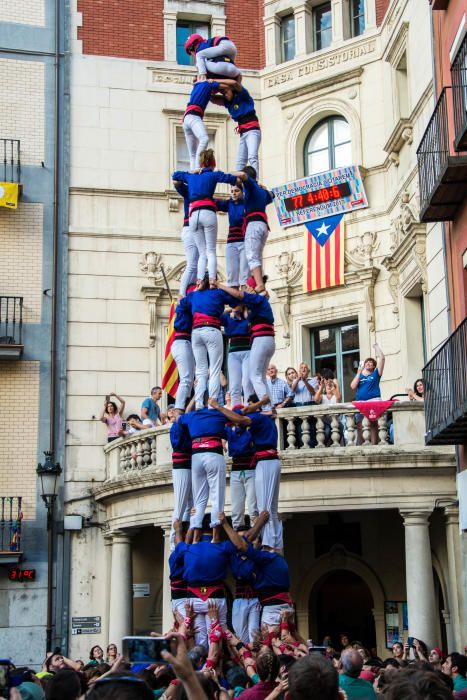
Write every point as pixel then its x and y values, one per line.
pixel 170 376
pixel 9 192
pixel 324 254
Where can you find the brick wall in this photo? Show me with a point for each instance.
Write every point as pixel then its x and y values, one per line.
pixel 381 8
pixel 19 404
pixel 24 12
pixel 123 28
pixel 22 110
pixel 245 26
pixel 21 258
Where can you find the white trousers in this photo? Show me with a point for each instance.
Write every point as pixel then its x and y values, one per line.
pixel 179 605
pixel 191 255
pixel 208 351
pixel 243 489
pixel 203 226
pixel 202 623
pixel 248 150
pixel 255 239
pixel 196 137
pixel 236 264
pixel 262 350
pixel 267 481
pixel 182 352
pixel 271 614
pixel 245 618
pixel 238 366
pixel 224 48
pixel 183 499
pixel 208 480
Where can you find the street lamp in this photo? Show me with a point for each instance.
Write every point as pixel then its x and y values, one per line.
pixel 48 474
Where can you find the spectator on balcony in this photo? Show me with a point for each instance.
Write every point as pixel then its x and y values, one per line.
pixel 134 425
pixel 328 394
pixel 291 375
pixel 112 416
pixel 418 391
pixel 366 385
pixel 150 410
pixel 304 387
pixel 278 389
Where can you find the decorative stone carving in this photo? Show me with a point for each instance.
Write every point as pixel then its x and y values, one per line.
pixel 360 261
pixel 362 252
pixel 151 265
pixel 289 272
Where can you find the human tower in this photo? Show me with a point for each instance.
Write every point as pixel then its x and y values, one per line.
pixel 240 310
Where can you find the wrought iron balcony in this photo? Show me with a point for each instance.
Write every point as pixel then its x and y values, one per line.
pixel 459 96
pixel 11 327
pixel 10 529
pixel 445 378
pixel 442 170
pixel 11 160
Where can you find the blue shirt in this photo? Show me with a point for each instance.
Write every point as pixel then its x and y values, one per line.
pixel 201 93
pixel 183 318
pixel 235 210
pixel 203 423
pixel 153 409
pixel 206 562
pixel 182 190
pixel 263 431
pixel 210 302
pixel 368 387
pixel 256 198
pixel 202 185
pixel 176 561
pixel 180 438
pixel 209 42
pixel 235 326
pixel 241 105
pixel 259 306
pixel 239 440
pixel 271 569
pixel 242 568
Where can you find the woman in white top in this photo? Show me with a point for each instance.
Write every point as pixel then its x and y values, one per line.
pixel 329 392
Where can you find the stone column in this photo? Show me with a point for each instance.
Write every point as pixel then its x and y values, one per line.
pixel 218 25
pixel 380 630
pixel 272 30
pixel 170 36
pixel 370 14
pixel 455 593
pixel 121 592
pixel 303 30
pixel 419 577
pixel 337 21
pixel 167 617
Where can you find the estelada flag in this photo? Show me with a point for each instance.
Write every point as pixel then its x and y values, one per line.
pixel 170 376
pixel 9 195
pixel 324 254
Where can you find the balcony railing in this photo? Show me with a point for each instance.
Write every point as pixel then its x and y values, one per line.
pixel 11 327
pixel 459 96
pixel 10 529
pixel 445 379
pixel 442 170
pixel 10 149
pixel 306 430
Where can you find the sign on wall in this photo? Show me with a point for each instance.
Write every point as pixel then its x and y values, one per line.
pixel 86 625
pixel 337 191
pixel 396 621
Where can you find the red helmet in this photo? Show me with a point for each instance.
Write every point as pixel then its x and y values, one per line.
pixel 192 42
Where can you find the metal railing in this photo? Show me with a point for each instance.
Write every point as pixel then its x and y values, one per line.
pixel 11 320
pixel 10 523
pixel 433 151
pixel 11 160
pixel 459 95
pixel 445 379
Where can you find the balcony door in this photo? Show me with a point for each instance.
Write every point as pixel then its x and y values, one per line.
pixel 336 348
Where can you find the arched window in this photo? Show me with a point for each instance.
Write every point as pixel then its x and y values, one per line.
pixel 327 146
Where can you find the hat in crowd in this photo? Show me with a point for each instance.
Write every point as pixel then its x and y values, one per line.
pixel 440 653
pixel 30 691
pixel 367 676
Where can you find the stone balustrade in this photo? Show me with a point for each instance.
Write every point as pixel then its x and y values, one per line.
pixel 301 429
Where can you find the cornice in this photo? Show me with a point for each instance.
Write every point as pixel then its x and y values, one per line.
pixel 351 76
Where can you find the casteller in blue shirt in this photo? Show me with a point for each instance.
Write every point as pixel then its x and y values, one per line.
pixel 263 431
pixel 202 185
pixel 206 563
pixel 203 423
pixel 271 569
pixel 256 197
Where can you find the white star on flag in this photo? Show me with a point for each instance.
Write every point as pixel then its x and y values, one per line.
pixel 322 230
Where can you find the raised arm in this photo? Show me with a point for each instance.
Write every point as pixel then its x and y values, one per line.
pixel 230 290
pixel 235 418
pixel 380 359
pixel 233 536
pixel 180 176
pixel 121 401
pixel 356 379
pixel 103 412
pixel 337 389
pixel 260 522
pixel 318 397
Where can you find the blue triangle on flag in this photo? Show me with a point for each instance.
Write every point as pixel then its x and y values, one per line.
pixel 322 229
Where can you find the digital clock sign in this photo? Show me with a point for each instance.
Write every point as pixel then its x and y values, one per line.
pixel 314 197
pixel 17 574
pixel 324 194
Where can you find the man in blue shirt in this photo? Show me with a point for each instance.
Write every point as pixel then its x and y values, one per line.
pixel 278 389
pixel 150 409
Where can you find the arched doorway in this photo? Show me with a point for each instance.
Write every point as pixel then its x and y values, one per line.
pixel 341 601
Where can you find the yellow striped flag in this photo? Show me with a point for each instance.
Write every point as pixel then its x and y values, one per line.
pixel 324 254
pixel 9 192
pixel 170 376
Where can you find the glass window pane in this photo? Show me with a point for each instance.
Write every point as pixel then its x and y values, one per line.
pixel 323 25
pixel 349 336
pixel 183 31
pixel 318 162
pixel 324 341
pixel 342 155
pixel 288 37
pixel 319 138
pixel 183 159
pixel 325 39
pixel 357 17
pixel 326 363
pixel 341 131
